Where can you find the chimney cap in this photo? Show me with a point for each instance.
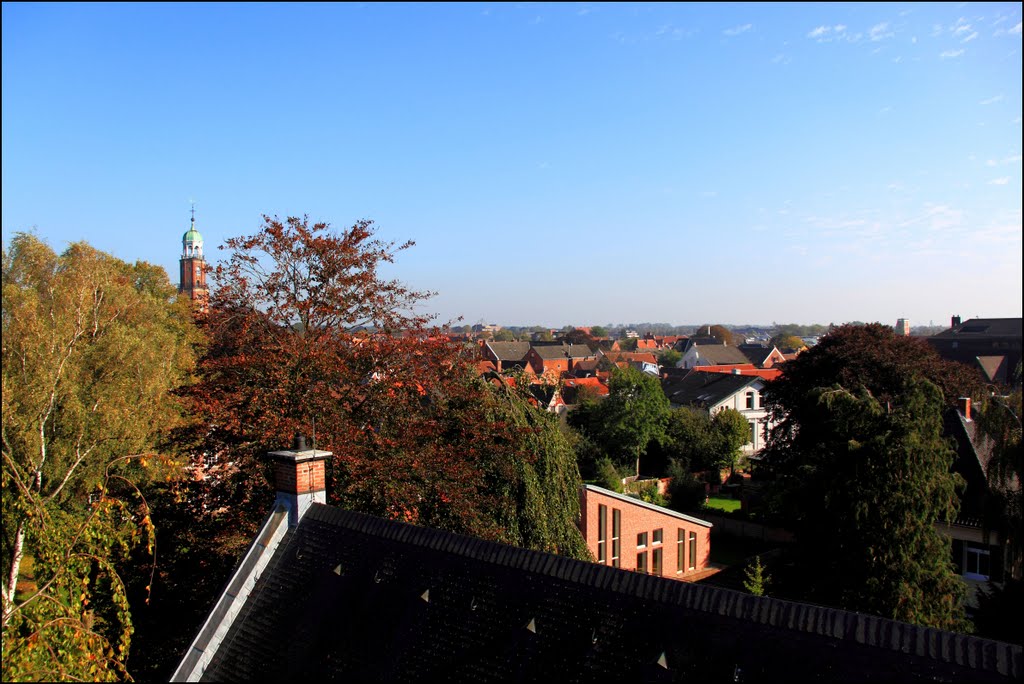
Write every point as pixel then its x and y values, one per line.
pixel 299 451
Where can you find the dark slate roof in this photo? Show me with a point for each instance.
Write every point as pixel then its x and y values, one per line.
pixel 756 353
pixel 509 351
pixel 685 344
pixel 563 351
pixel 350 596
pixel 984 327
pixel 973 452
pixel 704 389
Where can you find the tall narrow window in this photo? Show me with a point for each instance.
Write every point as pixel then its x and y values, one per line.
pixel 693 550
pixel 616 520
pixel 656 536
pixel 753 433
pixel 680 549
pixel 656 561
pixel 641 561
pixel 602 533
pixel 750 400
pixel 641 540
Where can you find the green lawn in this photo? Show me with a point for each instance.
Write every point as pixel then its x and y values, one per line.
pixel 727 505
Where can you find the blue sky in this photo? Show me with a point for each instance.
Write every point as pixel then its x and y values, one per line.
pixel 555 164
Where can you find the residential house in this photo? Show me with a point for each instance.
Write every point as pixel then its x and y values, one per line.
pixel 585 368
pixel 554 360
pixel 329 594
pixel 992 345
pixel 626 532
pixel 572 387
pixel 979 554
pixel 714 392
pixel 505 355
pixel 762 356
pixel 717 354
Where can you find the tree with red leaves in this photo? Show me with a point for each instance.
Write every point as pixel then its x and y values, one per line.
pixel 306 335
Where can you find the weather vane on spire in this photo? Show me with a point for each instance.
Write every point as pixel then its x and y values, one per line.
pixel 193 211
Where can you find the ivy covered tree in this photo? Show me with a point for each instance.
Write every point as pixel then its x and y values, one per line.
pixel 862 472
pixel 92 348
pixel 866 482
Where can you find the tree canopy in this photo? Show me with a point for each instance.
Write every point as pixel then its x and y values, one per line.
pixel 632 416
pixel 92 348
pixel 863 472
pixel 720 333
pixel 308 337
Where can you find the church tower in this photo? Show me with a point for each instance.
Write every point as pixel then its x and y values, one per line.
pixel 193 266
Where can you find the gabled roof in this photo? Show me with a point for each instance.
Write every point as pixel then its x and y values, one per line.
pixel 346 596
pixel 720 354
pixel 705 389
pixel 983 328
pixel 757 353
pixel 563 351
pixel 509 351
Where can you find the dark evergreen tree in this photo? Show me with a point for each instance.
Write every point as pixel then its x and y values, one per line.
pixel 866 482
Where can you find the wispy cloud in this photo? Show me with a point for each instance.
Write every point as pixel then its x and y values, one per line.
pixel 952 53
pixel 1015 31
pixel 737 30
pixel 961 26
pixel 992 100
pixel 830 33
pixel 1000 181
pixel 1012 159
pixel 880 32
pixel 969 38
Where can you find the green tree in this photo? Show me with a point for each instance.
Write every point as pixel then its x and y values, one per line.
pixel 757 578
pixel 731 431
pixel 599 331
pixel 689 438
pixel 669 358
pixel 632 416
pixel 504 335
pixel 608 475
pixel 788 343
pixel 685 492
pixel 92 349
pixel 867 481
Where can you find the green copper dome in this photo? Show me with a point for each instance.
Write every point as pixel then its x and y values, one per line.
pixel 192 236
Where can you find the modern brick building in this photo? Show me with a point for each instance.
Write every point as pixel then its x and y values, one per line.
pixel 631 534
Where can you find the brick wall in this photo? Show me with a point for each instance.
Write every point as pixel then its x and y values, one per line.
pixel 637 519
pixel 300 478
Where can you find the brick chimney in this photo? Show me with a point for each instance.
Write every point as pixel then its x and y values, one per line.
pixel 964 404
pixel 954 322
pixel 300 478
